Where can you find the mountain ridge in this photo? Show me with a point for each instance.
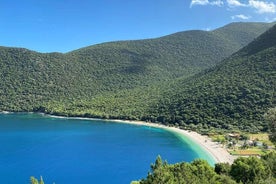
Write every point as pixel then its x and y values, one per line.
pixel 238 91
pixel 232 96
pixel 113 80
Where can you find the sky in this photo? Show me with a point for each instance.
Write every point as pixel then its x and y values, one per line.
pixel 66 25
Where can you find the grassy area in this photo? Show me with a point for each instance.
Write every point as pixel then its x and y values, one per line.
pixel 217 138
pixel 248 152
pixel 260 137
pixel 263 137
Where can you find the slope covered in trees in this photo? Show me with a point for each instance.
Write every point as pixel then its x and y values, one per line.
pixel 231 96
pixel 30 79
pixel 159 80
pixel 236 93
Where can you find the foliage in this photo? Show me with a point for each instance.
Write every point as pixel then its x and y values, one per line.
pixel 33 180
pixel 222 168
pixel 248 170
pixel 158 80
pixel 251 170
pixel 234 95
pixel 199 171
pixel 231 96
pixel 270 116
pixel 270 160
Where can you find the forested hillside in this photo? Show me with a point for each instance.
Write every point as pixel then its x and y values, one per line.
pixel 231 96
pixel 235 94
pixel 29 78
pixel 160 80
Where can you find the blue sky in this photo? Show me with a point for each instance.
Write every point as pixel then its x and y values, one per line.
pixel 65 25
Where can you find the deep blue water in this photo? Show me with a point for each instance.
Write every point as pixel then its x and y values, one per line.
pixel 72 151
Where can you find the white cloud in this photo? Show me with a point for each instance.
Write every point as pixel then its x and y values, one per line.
pixel 216 3
pixel 199 2
pixel 262 6
pixel 235 3
pixel 206 2
pixel 241 16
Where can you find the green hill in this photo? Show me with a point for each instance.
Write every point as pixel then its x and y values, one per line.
pixel 235 94
pixel 144 79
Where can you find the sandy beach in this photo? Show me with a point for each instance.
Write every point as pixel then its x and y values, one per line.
pixel 220 154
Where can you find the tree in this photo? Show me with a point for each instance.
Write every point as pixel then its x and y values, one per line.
pixel 197 172
pixel 270 160
pixel 160 173
pixel 33 180
pixel 222 168
pixel 249 170
pixel 270 116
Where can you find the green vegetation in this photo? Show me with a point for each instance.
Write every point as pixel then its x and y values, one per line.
pixel 248 152
pixel 244 144
pixel 270 116
pixel 159 80
pixel 249 170
pixel 33 180
pixel 186 79
pixel 232 96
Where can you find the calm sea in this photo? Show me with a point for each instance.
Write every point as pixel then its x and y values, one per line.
pixel 73 151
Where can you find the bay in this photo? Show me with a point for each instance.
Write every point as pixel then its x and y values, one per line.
pixel 73 151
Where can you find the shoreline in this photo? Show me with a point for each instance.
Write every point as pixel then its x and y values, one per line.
pixel 218 153
pixel 213 149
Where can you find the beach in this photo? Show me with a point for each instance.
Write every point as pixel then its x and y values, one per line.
pixel 219 153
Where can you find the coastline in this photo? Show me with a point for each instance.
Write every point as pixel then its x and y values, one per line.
pixel 212 149
pixel 215 150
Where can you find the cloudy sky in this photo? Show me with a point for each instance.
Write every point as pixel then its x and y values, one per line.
pixel 65 25
pixel 243 9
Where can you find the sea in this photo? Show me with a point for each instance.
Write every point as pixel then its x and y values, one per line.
pixel 74 151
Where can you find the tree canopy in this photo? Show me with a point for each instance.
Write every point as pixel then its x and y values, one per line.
pixel 251 170
pixel 159 80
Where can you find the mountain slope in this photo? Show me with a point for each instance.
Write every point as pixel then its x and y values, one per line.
pixel 235 94
pixel 30 79
pixel 231 96
pixel 179 54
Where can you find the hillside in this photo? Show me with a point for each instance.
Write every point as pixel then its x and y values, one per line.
pixel 176 55
pixel 231 96
pixel 235 94
pixel 30 79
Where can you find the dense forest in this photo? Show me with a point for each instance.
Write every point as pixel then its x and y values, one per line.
pixel 234 95
pixel 187 79
pixel 249 170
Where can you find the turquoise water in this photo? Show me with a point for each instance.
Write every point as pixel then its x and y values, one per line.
pixel 83 151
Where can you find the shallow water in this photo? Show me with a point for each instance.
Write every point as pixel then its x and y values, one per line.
pixel 76 151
